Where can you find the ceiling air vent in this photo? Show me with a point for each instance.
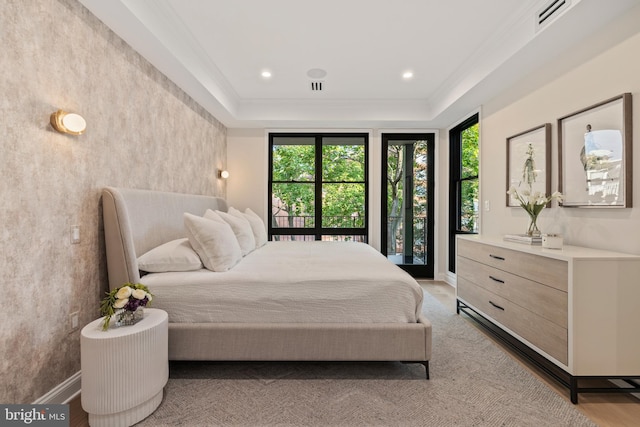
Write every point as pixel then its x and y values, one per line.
pixel 550 11
pixel 317 86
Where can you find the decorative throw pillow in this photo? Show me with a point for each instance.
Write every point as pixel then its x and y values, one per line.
pixel 240 227
pixel 176 255
pixel 213 215
pixel 259 230
pixel 213 241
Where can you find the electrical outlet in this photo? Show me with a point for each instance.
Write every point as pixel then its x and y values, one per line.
pixel 73 318
pixel 75 234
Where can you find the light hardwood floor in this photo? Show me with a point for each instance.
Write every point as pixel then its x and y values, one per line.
pixel 606 410
pixel 77 416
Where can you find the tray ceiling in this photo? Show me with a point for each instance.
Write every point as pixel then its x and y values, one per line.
pixel 340 63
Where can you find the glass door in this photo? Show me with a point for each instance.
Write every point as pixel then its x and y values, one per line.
pixel 407 201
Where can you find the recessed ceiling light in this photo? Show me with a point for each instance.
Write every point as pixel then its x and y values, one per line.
pixel 407 75
pixel 266 74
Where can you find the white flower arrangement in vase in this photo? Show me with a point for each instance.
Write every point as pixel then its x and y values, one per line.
pixel 533 204
pixel 125 303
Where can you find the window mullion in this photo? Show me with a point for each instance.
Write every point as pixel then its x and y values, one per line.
pixel 318 189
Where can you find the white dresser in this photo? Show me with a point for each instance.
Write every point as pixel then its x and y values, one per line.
pixel 571 311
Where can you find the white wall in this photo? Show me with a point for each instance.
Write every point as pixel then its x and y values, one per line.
pixel 247 162
pixel 609 74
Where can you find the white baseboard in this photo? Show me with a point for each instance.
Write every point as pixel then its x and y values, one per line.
pixel 63 392
pixel 450 278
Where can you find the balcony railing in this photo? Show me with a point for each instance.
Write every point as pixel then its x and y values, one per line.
pixel 308 221
pixel 396 239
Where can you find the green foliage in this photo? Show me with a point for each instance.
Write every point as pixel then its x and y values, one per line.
pixel 343 205
pixel 470 152
pixel 294 163
pixel 470 169
pixel 343 163
pixel 343 171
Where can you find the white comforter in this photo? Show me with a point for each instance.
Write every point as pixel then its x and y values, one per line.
pixel 285 282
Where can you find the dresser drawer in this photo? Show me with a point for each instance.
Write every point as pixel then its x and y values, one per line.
pixel 551 272
pixel 539 331
pixel 548 302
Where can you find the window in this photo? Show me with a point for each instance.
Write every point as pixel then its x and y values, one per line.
pixel 318 186
pixel 463 182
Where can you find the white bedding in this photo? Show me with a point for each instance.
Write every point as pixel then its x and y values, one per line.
pixel 300 282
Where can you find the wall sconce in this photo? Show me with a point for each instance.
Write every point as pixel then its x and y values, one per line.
pixel 71 123
pixel 224 174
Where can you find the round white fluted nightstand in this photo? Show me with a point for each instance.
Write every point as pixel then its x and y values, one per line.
pixel 124 370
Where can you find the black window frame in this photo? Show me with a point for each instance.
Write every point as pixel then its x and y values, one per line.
pixel 455 184
pixel 318 231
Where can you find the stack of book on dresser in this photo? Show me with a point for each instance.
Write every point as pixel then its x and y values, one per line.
pixel 523 238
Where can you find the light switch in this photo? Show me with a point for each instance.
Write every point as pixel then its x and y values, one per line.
pixel 74 320
pixel 75 234
pixel 487 205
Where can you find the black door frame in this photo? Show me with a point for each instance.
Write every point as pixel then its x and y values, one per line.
pixel 425 271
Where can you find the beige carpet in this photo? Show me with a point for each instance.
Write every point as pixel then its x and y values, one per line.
pixel 473 383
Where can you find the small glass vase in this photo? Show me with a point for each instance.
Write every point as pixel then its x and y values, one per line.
pixel 533 230
pixel 128 318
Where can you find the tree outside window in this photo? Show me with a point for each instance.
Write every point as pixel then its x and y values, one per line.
pixel 318 187
pixel 463 182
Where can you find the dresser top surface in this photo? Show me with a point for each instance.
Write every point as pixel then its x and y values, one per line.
pixel 567 253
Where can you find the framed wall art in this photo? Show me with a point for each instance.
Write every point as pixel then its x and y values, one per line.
pixel 529 162
pixel 594 155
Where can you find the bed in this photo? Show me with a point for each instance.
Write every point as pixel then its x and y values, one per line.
pixel 282 301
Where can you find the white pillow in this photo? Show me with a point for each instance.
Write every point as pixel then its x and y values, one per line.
pixel 240 227
pixel 176 255
pixel 259 230
pixel 213 215
pixel 213 241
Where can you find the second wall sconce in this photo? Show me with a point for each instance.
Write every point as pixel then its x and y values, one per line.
pixel 224 174
pixel 71 123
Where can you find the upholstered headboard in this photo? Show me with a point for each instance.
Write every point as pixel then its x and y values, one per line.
pixel 136 221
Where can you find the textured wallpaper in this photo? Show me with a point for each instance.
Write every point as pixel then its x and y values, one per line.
pixel 142 132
